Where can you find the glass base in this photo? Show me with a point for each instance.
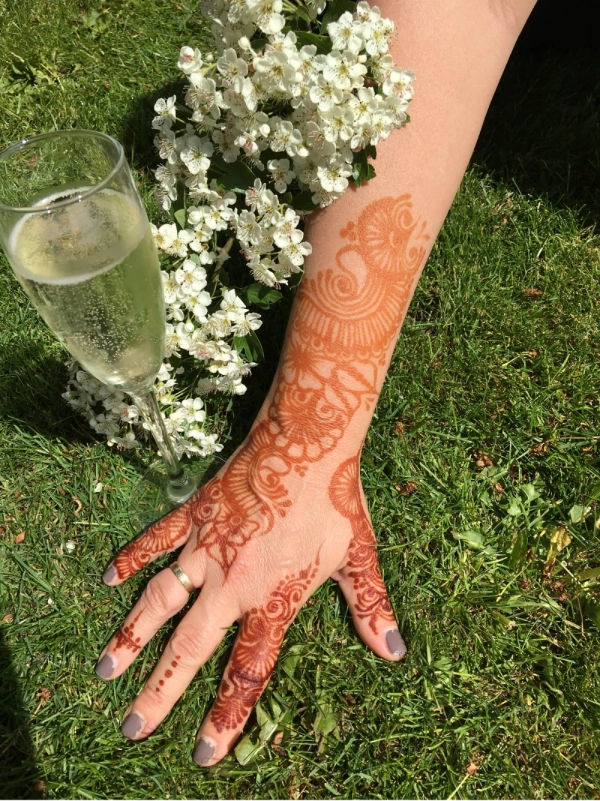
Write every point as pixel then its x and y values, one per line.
pixel 155 495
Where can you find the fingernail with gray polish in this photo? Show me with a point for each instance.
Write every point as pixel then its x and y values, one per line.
pixel 204 752
pixel 132 725
pixel 395 643
pixel 110 575
pixel 106 666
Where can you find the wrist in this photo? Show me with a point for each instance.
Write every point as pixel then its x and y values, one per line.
pixel 315 427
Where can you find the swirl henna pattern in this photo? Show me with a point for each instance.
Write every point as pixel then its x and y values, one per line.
pixel 346 319
pixel 256 650
pixel 372 602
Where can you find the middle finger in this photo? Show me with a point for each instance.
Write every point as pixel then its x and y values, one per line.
pixel 192 644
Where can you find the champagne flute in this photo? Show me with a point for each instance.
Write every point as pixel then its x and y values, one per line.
pixel 76 234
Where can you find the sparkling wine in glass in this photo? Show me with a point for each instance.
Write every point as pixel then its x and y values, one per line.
pixel 76 234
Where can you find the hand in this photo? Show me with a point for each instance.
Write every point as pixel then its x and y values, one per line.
pixel 258 549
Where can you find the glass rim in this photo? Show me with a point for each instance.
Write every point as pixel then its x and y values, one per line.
pixel 10 150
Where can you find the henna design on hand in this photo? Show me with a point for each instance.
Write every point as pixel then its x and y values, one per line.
pixel 256 649
pixel 372 602
pixel 165 535
pixel 345 321
pixel 125 636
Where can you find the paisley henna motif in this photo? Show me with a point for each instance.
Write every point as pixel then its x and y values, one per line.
pixel 256 650
pixel 372 602
pixel 345 321
pixel 165 535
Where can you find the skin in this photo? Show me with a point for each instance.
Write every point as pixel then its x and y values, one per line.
pixel 288 511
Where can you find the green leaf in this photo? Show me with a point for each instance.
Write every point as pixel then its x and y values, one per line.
pixel 290 663
pixel 585 575
pixel 275 709
pixel 590 610
pixel 322 43
pixel 181 217
pixel 595 492
pixel 474 539
pixel 250 347
pixel 514 508
pixel 261 716
pixel 530 492
pixel 267 731
pixel 303 201
pixel 506 621
pixel 261 295
pixel 578 513
pixel 245 750
pixel 234 175
pixel 362 169
pixel 334 11
pixel 302 14
pixel 326 720
pixel 519 551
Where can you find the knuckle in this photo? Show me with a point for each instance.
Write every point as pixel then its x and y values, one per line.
pixel 157 599
pixel 186 648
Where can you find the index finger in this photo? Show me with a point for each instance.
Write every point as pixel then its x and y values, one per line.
pixel 167 534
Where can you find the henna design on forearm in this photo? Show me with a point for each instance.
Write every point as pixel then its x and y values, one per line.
pixel 345 320
pixel 256 649
pixel 372 602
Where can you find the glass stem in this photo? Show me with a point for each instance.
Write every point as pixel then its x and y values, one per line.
pixel 180 485
pixel 148 406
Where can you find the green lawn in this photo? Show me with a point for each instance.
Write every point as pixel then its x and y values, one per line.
pixel 499 695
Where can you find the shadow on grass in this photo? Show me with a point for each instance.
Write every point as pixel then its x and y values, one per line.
pixel 550 85
pixel 31 384
pixel 19 773
pixel 136 132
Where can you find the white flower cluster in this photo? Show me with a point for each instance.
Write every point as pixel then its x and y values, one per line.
pixel 336 103
pixel 276 122
pixel 111 415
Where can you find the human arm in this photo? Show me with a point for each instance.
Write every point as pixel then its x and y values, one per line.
pixel 287 511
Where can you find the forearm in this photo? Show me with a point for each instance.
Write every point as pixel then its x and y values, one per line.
pixel 370 246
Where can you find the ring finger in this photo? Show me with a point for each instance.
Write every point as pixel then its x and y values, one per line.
pixel 163 597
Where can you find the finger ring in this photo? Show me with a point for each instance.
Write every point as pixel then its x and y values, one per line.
pixel 183 577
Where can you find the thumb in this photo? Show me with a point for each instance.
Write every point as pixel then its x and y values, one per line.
pixel 167 534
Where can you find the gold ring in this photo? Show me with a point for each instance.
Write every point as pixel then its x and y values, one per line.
pixel 183 577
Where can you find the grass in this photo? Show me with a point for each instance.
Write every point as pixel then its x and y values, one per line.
pixel 500 693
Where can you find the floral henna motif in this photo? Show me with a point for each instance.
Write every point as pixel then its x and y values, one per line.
pixel 372 602
pixel 256 650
